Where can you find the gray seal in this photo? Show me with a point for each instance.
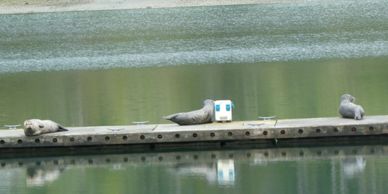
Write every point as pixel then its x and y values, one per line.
pixel 34 127
pixel 348 109
pixel 201 116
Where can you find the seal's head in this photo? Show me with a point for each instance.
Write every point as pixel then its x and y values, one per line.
pixel 208 102
pixel 31 127
pixel 347 98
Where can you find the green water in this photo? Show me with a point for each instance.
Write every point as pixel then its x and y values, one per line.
pixel 292 60
pixel 122 96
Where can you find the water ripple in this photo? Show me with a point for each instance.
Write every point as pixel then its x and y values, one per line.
pixel 196 35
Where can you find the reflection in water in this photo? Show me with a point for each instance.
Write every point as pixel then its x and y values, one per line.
pixel 221 172
pixel 225 172
pixel 353 165
pixel 209 170
pixel 39 176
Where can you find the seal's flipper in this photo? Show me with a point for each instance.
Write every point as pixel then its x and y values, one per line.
pixel 60 128
pixel 170 117
pixel 358 115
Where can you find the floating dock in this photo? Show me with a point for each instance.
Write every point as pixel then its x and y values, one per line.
pixel 172 136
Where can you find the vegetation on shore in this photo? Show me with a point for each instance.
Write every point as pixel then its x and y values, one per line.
pixel 41 2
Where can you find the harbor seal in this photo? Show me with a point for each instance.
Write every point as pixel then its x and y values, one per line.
pixel 348 109
pixel 34 127
pixel 201 116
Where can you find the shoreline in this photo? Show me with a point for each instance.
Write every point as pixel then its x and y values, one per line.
pixel 99 5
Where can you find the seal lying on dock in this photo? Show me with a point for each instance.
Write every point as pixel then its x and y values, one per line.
pixel 348 109
pixel 37 127
pixel 201 116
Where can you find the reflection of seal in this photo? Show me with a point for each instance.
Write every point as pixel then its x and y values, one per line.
pixel 353 166
pixel 39 176
pixel 348 109
pixel 201 116
pixel 36 127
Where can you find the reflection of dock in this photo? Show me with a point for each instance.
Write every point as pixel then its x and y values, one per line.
pixel 295 166
pixel 253 156
pixel 235 134
pixel 216 167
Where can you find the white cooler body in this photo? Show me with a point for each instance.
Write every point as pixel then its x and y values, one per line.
pixel 223 110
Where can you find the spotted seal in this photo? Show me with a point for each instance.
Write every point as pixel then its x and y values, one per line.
pixel 201 116
pixel 348 109
pixel 34 127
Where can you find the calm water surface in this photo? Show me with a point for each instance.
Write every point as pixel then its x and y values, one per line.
pixel 292 60
pixel 353 170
